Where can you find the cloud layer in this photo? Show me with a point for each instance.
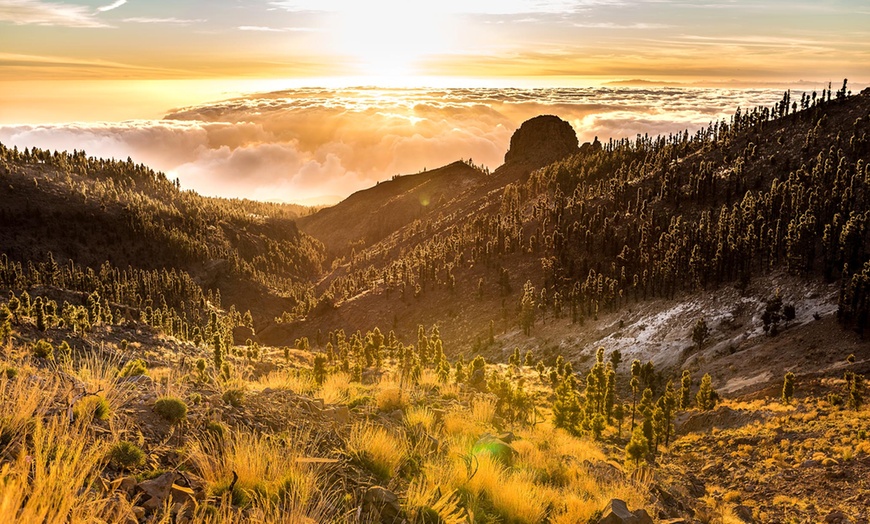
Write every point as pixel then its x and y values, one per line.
pixel 312 143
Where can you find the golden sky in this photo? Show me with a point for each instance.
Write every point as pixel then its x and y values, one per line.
pixel 398 41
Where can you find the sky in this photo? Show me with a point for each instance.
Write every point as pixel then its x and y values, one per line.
pixel 396 40
pixel 220 93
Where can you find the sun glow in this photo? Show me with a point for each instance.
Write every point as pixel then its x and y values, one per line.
pixel 385 39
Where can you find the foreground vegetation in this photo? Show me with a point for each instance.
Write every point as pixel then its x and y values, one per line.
pixel 122 423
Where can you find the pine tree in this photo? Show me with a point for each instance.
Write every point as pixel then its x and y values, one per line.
pixel 635 388
pixel 527 308
pixel 788 388
pixel 40 314
pixel 638 446
pixel 218 348
pixel 700 333
pixel 706 397
pixel 685 389
pixel 319 368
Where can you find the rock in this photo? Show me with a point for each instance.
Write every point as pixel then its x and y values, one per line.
pixel 541 141
pixel 241 334
pixel 382 505
pixel 616 512
pixel 496 448
pixel 744 514
pixel 338 414
pixel 694 486
pixel 126 484
pixel 837 517
pixel 810 463
pixel 157 490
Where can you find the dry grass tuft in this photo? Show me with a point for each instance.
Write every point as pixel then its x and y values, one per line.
pixel 377 450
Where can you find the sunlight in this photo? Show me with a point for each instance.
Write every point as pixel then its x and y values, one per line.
pixel 387 40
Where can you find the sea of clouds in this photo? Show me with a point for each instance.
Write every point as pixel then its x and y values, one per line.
pixel 314 145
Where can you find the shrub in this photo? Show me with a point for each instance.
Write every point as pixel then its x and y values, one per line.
pixel 233 397
pixel 64 351
pixel 43 349
pixel 172 409
pixel 216 428
pixel 94 406
pixel 134 368
pixel 126 455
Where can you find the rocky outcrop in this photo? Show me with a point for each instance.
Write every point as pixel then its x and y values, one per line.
pixel 541 141
pixel 616 512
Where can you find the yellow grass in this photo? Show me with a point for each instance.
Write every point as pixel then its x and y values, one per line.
pixel 376 449
pixel 483 409
pixel 268 471
pixel 285 380
pixel 336 389
pixel 390 397
pixel 50 480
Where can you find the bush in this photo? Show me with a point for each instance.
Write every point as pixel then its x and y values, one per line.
pixel 94 406
pixel 134 368
pixel 233 397
pixel 43 349
pixel 216 428
pixel 126 455
pixel 172 409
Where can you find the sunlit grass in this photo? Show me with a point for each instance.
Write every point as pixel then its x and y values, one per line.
pixel 336 389
pixel 50 479
pixel 268 470
pixel 377 450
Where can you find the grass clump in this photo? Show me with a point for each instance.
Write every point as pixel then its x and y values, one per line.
pixel 95 407
pixel 375 449
pixel 126 455
pixel 134 368
pixel 171 409
pixel 233 397
pixel 391 398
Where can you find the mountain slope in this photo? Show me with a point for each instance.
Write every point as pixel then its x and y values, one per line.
pixel 368 216
pixel 93 211
pixel 779 188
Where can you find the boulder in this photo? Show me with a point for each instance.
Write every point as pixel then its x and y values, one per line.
pixel 616 512
pixel 382 506
pixel 837 517
pixel 496 448
pixel 744 514
pixel 338 414
pixel 157 490
pixel 541 141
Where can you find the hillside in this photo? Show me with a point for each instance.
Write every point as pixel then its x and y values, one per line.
pixel 368 216
pixel 93 212
pixel 541 251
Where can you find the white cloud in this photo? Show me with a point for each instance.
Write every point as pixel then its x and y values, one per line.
pixel 265 29
pixel 113 5
pixel 172 21
pixel 37 12
pixel 301 144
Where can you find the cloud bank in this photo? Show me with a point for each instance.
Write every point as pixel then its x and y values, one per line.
pixel 306 144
